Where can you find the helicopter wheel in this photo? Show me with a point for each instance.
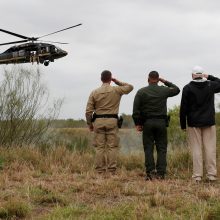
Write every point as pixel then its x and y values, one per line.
pixel 46 63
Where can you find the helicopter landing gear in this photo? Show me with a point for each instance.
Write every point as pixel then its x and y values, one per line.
pixel 46 63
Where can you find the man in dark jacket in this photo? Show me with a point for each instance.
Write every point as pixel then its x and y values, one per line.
pixel 150 116
pixel 198 110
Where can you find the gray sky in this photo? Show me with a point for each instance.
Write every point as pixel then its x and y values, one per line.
pixel 129 38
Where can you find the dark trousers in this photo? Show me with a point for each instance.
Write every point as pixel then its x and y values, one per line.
pixel 155 133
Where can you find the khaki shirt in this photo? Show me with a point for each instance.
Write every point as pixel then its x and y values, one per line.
pixel 106 99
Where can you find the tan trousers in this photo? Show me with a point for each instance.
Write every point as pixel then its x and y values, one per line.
pixel 199 138
pixel 106 144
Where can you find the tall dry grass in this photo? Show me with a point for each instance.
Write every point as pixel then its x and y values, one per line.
pixel 56 180
pixel 59 183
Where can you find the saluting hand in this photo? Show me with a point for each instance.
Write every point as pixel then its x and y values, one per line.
pixel 204 75
pixel 139 128
pixel 115 81
pixel 162 80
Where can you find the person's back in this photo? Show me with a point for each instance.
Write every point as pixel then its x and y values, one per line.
pixel 107 98
pixel 150 116
pixel 198 96
pixel 154 99
pixel 198 110
pixel 102 117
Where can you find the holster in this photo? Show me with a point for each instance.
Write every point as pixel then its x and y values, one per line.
pixel 168 120
pixel 120 121
pixel 93 117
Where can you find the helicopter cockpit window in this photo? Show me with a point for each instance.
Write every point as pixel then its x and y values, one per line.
pixel 58 48
pixel 43 50
pixel 11 49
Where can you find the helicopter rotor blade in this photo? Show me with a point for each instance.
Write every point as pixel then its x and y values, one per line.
pixel 12 33
pixel 14 42
pixel 47 41
pixel 60 31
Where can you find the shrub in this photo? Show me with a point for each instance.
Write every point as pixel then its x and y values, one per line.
pixel 24 113
pixel 176 136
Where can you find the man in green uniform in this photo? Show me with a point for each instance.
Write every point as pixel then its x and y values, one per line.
pixel 150 116
pixel 102 116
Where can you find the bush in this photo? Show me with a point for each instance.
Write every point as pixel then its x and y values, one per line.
pixel 176 136
pixel 24 113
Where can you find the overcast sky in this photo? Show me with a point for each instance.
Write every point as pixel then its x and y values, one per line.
pixel 129 38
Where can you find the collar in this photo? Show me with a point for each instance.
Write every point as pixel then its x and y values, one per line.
pixel 105 84
pixel 199 80
pixel 153 84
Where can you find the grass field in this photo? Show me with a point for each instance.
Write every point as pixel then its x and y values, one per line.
pixel 60 183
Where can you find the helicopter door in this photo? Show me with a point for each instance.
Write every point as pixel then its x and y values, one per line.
pixel 53 49
pixel 21 53
pixel 15 54
pixel 47 49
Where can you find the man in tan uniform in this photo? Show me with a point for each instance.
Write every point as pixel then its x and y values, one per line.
pixel 104 103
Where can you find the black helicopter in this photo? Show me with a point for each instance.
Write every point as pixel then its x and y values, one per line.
pixel 32 51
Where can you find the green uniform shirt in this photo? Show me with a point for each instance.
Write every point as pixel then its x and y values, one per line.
pixel 152 101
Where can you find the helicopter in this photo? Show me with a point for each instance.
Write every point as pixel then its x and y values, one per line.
pixel 32 50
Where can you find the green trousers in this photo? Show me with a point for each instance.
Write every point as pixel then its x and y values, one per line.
pixel 155 134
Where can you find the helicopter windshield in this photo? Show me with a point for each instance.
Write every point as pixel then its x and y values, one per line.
pixel 57 48
pixel 11 49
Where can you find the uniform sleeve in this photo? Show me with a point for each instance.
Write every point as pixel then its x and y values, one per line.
pixel 173 90
pixel 137 109
pixel 216 83
pixel 90 108
pixel 123 88
pixel 183 109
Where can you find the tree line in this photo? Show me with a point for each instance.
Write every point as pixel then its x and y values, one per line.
pixel 26 113
pixel 127 122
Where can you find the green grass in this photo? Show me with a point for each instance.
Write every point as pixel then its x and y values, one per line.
pixel 14 208
pixel 214 212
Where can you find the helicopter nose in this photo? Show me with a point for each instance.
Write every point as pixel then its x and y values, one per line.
pixel 64 53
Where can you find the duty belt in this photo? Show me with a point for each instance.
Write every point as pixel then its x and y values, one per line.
pixel 156 117
pixel 165 117
pixel 107 116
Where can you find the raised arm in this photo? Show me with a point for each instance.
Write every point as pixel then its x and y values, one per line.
pixel 122 88
pixel 173 89
pixel 216 84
